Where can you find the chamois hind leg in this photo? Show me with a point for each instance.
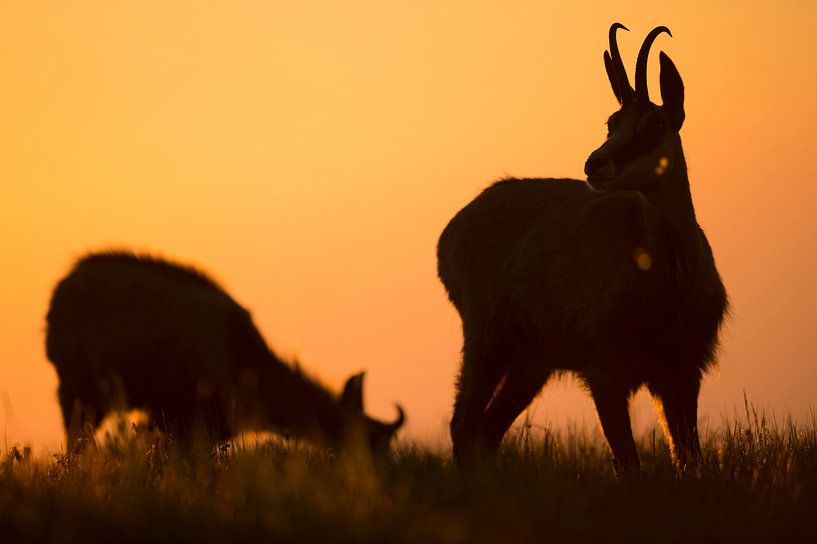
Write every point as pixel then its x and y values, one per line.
pixel 514 395
pixel 483 366
pixel 676 399
pixel 613 405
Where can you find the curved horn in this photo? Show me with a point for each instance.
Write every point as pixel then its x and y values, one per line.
pixel 641 91
pixel 618 79
pixel 401 418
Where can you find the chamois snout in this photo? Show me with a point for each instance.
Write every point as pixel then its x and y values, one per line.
pixel 600 168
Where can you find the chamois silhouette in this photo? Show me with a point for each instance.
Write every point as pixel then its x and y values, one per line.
pixel 612 279
pixel 125 331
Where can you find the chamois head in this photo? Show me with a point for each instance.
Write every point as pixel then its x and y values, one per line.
pixel 643 145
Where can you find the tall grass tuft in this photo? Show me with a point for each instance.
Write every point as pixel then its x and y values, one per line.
pixel 757 482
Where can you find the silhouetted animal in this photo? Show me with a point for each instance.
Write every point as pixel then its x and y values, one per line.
pixel 612 279
pixel 138 332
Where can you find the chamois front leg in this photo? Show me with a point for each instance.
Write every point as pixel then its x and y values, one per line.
pixel 81 421
pixel 677 402
pixel 80 415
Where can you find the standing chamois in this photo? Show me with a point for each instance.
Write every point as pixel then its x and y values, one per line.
pixel 612 279
pixel 137 332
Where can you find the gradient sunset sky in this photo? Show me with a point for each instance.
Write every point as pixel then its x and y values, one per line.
pixel 307 154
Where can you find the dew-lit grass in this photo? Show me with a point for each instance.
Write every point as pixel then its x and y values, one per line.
pixel 757 482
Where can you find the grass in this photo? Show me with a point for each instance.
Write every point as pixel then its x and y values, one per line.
pixel 757 483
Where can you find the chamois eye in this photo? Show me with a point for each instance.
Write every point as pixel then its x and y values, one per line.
pixel 652 124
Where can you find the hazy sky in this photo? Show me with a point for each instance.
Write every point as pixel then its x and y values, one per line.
pixel 308 154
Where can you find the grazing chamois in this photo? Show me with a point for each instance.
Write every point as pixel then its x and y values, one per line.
pixel 612 279
pixel 125 331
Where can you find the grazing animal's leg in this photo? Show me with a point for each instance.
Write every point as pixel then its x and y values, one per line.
pixel 211 417
pixel 483 365
pixel 78 413
pixel 190 419
pixel 613 405
pixel 677 401
pixel 514 395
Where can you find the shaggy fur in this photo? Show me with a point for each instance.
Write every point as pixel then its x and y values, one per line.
pixel 125 331
pixel 612 279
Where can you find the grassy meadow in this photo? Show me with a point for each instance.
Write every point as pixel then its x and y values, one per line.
pixel 757 483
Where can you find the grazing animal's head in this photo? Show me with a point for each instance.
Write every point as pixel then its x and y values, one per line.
pixel 643 145
pixel 358 426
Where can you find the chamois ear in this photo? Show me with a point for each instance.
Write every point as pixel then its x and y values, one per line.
pixel 608 66
pixel 352 397
pixel 672 91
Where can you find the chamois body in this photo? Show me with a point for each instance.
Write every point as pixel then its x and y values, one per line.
pixel 613 280
pixel 129 332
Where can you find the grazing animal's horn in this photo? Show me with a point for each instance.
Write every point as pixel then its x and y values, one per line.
pixel 615 68
pixel 641 91
pixel 352 397
pixel 401 418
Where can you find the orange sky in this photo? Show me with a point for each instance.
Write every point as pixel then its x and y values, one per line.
pixel 308 154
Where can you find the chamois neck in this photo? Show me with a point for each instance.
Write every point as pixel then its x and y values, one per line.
pixel 673 199
pixel 298 404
